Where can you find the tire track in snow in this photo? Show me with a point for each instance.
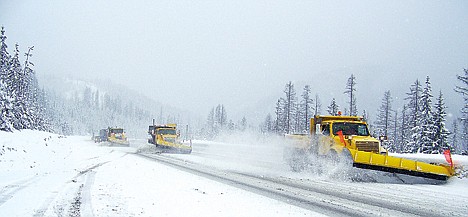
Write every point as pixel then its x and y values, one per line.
pixel 307 199
pixel 333 198
pixel 394 202
pixel 80 184
pixel 10 190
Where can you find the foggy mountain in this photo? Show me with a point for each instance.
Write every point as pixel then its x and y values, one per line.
pixel 96 104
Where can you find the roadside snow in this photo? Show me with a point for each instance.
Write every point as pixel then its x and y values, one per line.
pixel 43 174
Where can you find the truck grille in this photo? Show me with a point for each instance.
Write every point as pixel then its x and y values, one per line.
pixel 367 146
pixel 171 140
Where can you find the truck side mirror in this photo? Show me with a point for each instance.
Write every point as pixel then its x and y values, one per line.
pixel 318 130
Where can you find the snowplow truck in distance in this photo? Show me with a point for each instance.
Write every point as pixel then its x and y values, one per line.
pixel 347 138
pixel 167 138
pixel 117 136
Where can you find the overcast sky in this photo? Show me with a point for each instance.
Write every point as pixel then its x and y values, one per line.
pixel 198 54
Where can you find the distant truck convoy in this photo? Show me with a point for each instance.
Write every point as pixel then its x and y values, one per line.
pixel 167 138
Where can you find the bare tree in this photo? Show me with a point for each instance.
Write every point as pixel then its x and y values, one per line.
pixel 351 91
pixel 289 106
pixel 306 108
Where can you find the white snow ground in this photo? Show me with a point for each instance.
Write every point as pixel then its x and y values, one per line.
pixel 43 174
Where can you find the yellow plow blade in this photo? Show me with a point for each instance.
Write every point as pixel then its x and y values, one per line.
pixel 373 161
pixel 176 147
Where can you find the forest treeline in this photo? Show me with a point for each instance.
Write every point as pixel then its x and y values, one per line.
pixel 418 127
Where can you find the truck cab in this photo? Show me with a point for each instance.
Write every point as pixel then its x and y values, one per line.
pixel 167 136
pixel 338 132
pixel 347 131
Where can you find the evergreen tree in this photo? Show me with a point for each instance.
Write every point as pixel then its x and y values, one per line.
pixel 365 116
pixel 383 124
pixel 333 108
pixel 210 122
pixel 318 105
pixel 6 102
pixel 243 124
pixel 4 58
pixel 414 97
pixel 351 91
pixel 279 119
pixel 426 135
pixel 463 90
pixel 405 131
pixel 396 142
pixel 454 139
pixel 220 117
pixel 306 108
pixel 289 107
pixel 384 115
pixel 414 114
pixel 268 125
pixel 298 118
pixel 441 133
pixel 6 109
pixel 20 94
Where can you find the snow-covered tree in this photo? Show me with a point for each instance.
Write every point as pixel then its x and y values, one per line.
pixel 268 125
pixel 298 118
pixel 396 134
pixel 22 107
pixel 414 107
pixel 384 115
pixel 441 133
pixel 384 121
pixel 6 110
pixel 365 116
pixel 220 117
pixel 425 135
pixel 317 105
pixel 413 114
pixel 333 108
pixel 289 107
pixel 463 90
pixel 279 114
pixel 351 91
pixel 243 124
pixel 454 139
pixel 210 122
pixel 306 108
pixel 4 56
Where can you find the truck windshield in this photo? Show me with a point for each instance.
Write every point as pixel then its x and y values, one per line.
pixel 116 130
pixel 358 129
pixel 167 131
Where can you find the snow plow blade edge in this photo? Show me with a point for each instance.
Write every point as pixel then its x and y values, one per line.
pixel 373 161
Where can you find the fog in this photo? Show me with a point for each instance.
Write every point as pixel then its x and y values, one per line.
pixel 197 54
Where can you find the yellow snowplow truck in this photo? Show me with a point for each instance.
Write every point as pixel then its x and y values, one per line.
pixel 347 138
pixel 167 138
pixel 117 136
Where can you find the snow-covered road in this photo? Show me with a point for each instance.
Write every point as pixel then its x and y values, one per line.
pixel 47 175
